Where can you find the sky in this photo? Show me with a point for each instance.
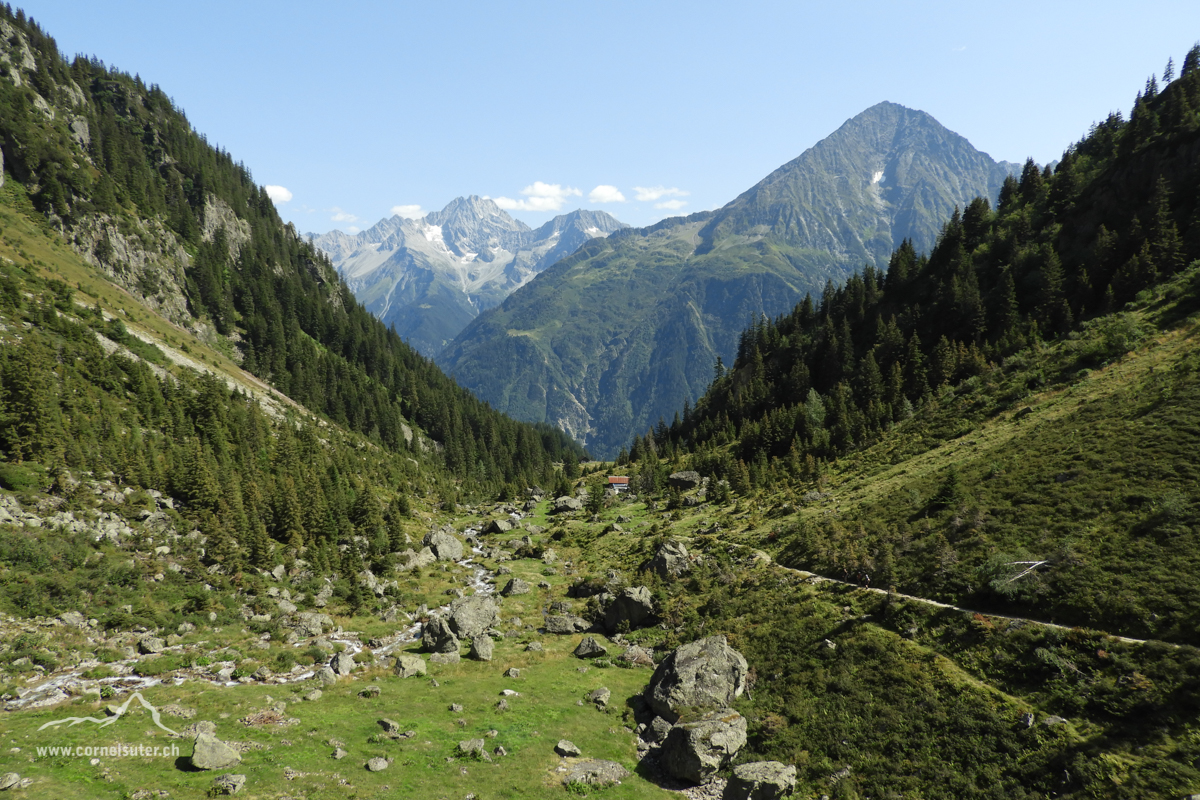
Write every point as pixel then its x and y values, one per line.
pixel 353 112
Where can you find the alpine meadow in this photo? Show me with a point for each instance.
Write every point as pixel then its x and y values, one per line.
pixel 877 482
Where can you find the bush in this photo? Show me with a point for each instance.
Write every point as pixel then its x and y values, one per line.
pixel 26 477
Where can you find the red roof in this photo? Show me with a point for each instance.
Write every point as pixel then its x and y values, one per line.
pixel 617 479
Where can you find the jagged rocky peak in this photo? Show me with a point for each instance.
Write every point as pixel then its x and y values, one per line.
pixel 471 224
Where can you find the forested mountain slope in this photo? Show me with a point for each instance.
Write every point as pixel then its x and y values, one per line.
pixel 626 330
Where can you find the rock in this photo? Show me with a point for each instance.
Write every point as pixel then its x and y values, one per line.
pixel 760 780
pixel 566 504
pixel 228 783
pixel 416 560
pixel 670 561
pixel 389 725
pixel 565 748
pixel 444 658
pixel 470 747
pixel 73 619
pixel 500 751
pixel 151 645
pixel 456 708
pixel 637 656
pixel 377 764
pixel 444 546
pixel 600 697
pixel 534 647
pixel 594 772
pixel 312 623
pixel 630 609
pixel 279 573
pixel 688 479
pixel 589 648
pixel 370 692
pixel 471 616
pixel 707 673
pixel 409 666
pixel 339 753
pixel 342 664
pixel 566 624
pixel 314 695
pixel 498 526
pixel 658 730
pixel 512 672
pixel 695 751
pixel 437 636
pixel 516 586
pixel 209 752
pixel 326 675
pixel 481 648
pixel 8 780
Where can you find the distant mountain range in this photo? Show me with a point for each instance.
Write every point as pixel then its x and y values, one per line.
pixel 429 277
pixel 627 329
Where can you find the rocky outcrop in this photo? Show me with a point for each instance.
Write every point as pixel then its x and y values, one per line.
pixel 685 480
pixel 760 780
pixel 695 751
pixel 706 674
pixel 632 608
pixel 670 561
pixel 471 616
pixel 564 505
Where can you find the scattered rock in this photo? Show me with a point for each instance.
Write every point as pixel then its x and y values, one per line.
pixel 314 695
pixel 632 608
pixel 566 624
pixel 565 748
pixel 444 658
pixel 637 656
pixel 695 751
pixel 342 664
pixel 228 783
pixel 589 648
pixel 512 672
pixel 498 526
pixel 564 505
pixel 209 752
pixel 534 647
pixel 150 645
pixel 670 561
pixel 471 747
pixel 443 546
pixel 516 586
pixel 600 697
pixel 471 616
pixel 707 673
pixel 760 780
pixel 326 675
pixel 597 773
pixel 339 753
pixel 8 780
pixel 481 648
pixel 456 708
pixel 377 764
pixel 687 479
pixel 410 666
pixel 389 725
pixel 370 692
pixel 438 637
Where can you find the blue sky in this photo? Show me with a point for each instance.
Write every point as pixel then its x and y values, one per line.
pixel 641 109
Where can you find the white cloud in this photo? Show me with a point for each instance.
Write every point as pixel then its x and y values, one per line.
pixel 605 194
pixel 672 205
pixel 541 197
pixel 409 211
pixel 278 193
pixel 342 216
pixel 646 194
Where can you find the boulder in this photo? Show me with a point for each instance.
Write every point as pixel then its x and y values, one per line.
pixel 630 609
pixel 600 697
pixel 481 647
pixel 670 561
pixel 209 752
pixel 409 666
pixel 695 751
pixel 566 748
pixel 637 656
pixel 760 780
pixel 687 479
pixel 411 560
pixel 8 780
pixel 707 673
pixel 377 764
pixel 312 623
pixel 342 664
pixel 438 637
pixel 228 783
pixel 516 586
pixel 564 505
pixel 498 526
pixel 589 648
pixel 472 747
pixel 73 619
pixel 444 658
pixel 150 645
pixel 471 616
pixel 326 675
pixel 443 546
pixel 565 624
pixel 595 772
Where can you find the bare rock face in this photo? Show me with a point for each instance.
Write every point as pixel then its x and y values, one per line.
pixel 760 780
pixel 695 751
pixel 631 609
pixel 471 616
pixel 209 752
pixel 438 637
pixel 707 673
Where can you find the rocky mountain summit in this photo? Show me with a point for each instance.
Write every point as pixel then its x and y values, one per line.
pixel 429 277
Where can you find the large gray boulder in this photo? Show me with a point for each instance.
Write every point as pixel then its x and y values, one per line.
pixel 670 561
pixel 566 624
pixel 438 637
pixel 707 673
pixel 630 609
pixel 312 623
pixel 444 546
pixel 482 648
pixel 760 780
pixel 209 752
pixel 589 648
pixel 342 664
pixel 688 479
pixel 412 560
pixel 695 751
pixel 515 586
pixel 471 616
pixel 563 505
pixel 410 666
pixel 595 772
pixel 498 526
